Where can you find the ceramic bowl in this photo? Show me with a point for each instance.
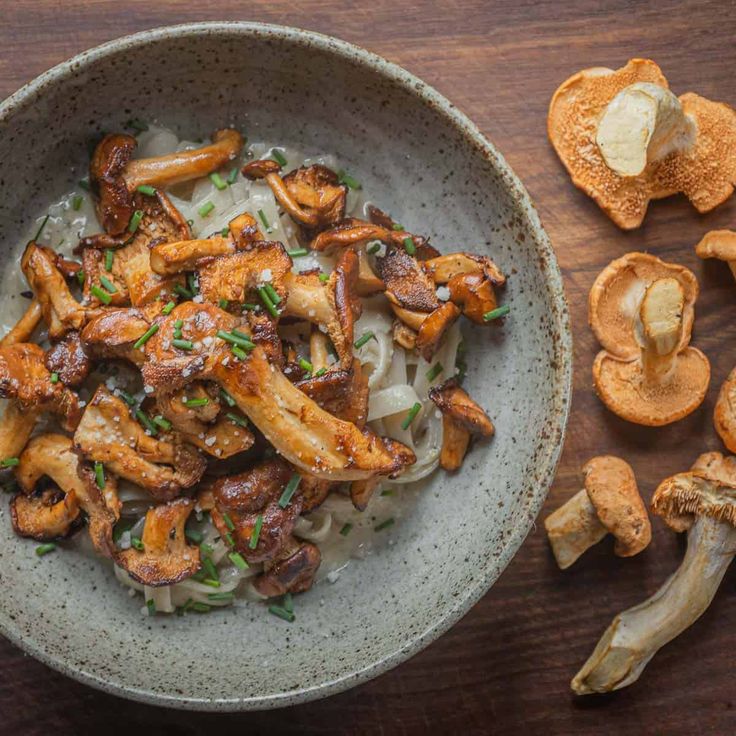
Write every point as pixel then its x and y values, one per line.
pixel 426 162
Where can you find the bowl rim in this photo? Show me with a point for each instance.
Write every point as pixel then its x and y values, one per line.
pixel 547 460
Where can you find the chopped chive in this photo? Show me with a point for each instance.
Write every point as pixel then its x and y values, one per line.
pixel 262 215
pixel 41 227
pixel 218 181
pixel 182 344
pixel 372 249
pixel 352 183
pixel 126 397
pixel 99 474
pixel 434 371
pixel 178 324
pixel 205 549
pixel 409 246
pixel 182 291
pixel 109 258
pixel 77 203
pixel 384 524
pixel 232 176
pixel 237 559
pixel 109 286
pixel 267 301
pixel 169 308
pixel 145 337
pixel 151 606
pixel 320 372
pixel 145 420
pixel 387 492
pixel 137 543
pixel 228 522
pixel 397 226
pixel 44 549
pixel 496 313
pixel 288 603
pixel 210 569
pixel 272 293
pixel 229 400
pixel 193 284
pixel 323 277
pixel 81 277
pixel 306 365
pixel 346 529
pixel 189 603
pixel 137 124
pixel 84 183
pixel 165 424
pixel 248 307
pixel 278 157
pixel 54 377
pixel 281 613
pixel 201 607
pixel 253 543
pixel 224 232
pixel 212 583
pixel 9 462
pixel 221 596
pixel 229 539
pixel 238 352
pixel 290 490
pixel 223 304
pixel 146 189
pixel 363 339
pixel 205 209
pixel 296 252
pixel 193 403
pixel 194 535
pixel 135 221
pixel 240 421
pixel 411 415
pixel 233 339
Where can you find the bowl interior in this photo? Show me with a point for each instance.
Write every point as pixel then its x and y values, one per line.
pixel 422 161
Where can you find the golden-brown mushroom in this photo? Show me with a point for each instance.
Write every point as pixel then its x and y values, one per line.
pixel 608 503
pixel 293 572
pixel 724 416
pixel 720 244
pixel 166 557
pixel 45 516
pixel 461 418
pixel 25 326
pixel 68 359
pixel 434 327
pixel 626 139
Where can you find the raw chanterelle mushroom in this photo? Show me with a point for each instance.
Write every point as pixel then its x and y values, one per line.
pixel 720 244
pixel 724 416
pixel 626 139
pixel 609 503
pixel 701 502
pixel 641 310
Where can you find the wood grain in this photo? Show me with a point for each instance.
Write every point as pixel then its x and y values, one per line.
pixel 505 668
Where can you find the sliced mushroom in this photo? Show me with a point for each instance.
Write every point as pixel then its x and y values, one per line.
pixel 609 503
pixel 293 572
pixel 433 329
pixel 720 244
pixel 702 502
pixel 45 516
pixel 114 333
pixel 461 418
pixel 625 139
pixel 25 326
pixel 109 435
pixel 68 359
pixel 166 557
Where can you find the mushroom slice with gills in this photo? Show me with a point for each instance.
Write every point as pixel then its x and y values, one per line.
pixel 616 295
pixel 115 176
pixel 608 503
pixel 433 328
pixel 625 139
pixel 45 516
pixel 68 359
pixel 166 557
pixel 720 244
pixel 667 382
pixel 461 418
pixel 292 572
pixel 706 507
pixel 61 311
pixel 109 435
pixel 25 326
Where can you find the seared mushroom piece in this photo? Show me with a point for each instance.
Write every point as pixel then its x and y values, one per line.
pixel 608 503
pixel 461 418
pixel 292 572
pixel 166 557
pixel 625 139
pixel 109 435
pixel 702 502
pixel 720 244
pixel 25 326
pixel 68 359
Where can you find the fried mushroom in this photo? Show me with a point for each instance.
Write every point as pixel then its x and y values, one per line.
pixel 293 572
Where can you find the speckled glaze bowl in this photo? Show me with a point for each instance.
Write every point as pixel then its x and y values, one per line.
pixel 425 161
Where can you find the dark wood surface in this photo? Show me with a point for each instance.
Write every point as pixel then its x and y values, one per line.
pixel 505 668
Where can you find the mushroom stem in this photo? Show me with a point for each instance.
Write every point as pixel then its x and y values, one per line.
pixel 16 427
pixel 661 327
pixel 644 122
pixel 25 326
pixel 636 635
pixel 574 528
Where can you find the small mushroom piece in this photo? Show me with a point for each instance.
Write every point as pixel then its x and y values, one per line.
pixel 666 382
pixel 720 244
pixel 68 359
pixel 293 572
pixel 608 503
pixel 25 326
pixel 113 333
pixel 109 435
pixel 702 502
pixel 45 516
pixel 166 557
pixel 461 418
pixel 433 329
pixel 625 139
pixel 724 416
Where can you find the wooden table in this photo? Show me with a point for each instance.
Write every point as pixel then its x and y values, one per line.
pixel 505 668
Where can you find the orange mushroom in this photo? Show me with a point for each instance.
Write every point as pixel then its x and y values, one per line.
pixel 720 244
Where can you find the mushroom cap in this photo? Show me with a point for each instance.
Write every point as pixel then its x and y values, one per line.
pixel 724 415
pixel 611 487
pixel 719 244
pixel 617 293
pixel 620 385
pixel 453 401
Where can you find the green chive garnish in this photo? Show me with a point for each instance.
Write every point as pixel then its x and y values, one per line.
pixel 205 209
pixel 206 549
pixel 296 252
pixel 44 549
pixel 182 291
pixel 54 377
pixel 182 344
pixel 9 462
pixel 290 490
pixel 135 221
pixel 101 294
pixel 145 420
pixel 201 607
pixel 109 286
pixel 193 284
pixel 241 341
pixel 229 539
pixel 253 543
pixel 193 403
pixel 210 569
pixel 411 249
pixel 151 605
pixel 223 304
pixel 165 424
pixel 496 313
pixel 77 203
pixel 281 613
pixel 320 372
pixel 84 183
pixel 218 181
pixel 109 258
pixel 306 365
pixel 411 415
pixel 352 183
pixel 278 157
pixel 288 603
pixel 228 521
pixel 247 307
pixel 240 421
pixel 169 308
pixel 396 226
pixel 99 474
pixel 81 277
pixel 194 535
pixel 137 543
pixel 224 232
pixel 266 299
pixel 145 337
pixel 434 371
pixel 221 596
pixel 212 583
pixel 237 559
pixel 232 176
pixel 178 324
pixel 384 524
pixel 363 339
pixel 126 397
pixel 324 277
pixel 262 215
pixel 238 352
pixel 346 529
pixel 41 227
pixel 371 250
pixel 146 189
pixel 229 400
pixel 387 492
pixel 272 293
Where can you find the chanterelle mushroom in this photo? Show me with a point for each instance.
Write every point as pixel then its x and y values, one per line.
pixel 720 244
pixel 626 139
pixel 641 310
pixel 701 501
pixel 724 416
pixel 609 503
